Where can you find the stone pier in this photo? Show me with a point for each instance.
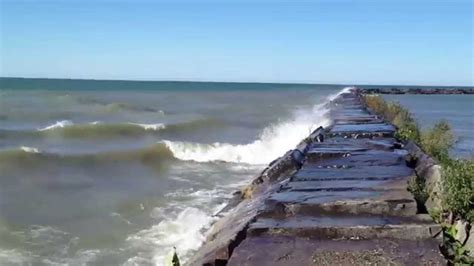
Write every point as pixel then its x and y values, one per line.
pixel 339 198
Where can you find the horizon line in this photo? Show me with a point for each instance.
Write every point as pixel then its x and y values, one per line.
pixel 242 82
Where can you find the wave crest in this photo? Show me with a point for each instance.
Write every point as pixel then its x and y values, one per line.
pixel 184 231
pixel 58 124
pixel 150 126
pixel 32 156
pixel 274 141
pixel 29 149
pixel 96 129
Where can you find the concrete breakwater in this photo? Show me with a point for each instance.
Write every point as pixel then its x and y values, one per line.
pixel 405 90
pixel 339 198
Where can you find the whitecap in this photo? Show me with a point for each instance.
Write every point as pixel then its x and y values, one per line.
pixel 29 149
pixel 58 124
pixel 273 142
pixel 14 257
pixel 343 91
pixel 158 126
pixel 183 231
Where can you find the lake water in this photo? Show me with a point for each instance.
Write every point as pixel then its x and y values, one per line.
pixel 458 110
pixel 117 173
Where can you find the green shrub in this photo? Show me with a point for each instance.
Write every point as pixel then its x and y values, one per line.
pixel 395 113
pixel 376 103
pixel 408 132
pixel 458 188
pixel 416 186
pixel 457 175
pixel 453 249
pixel 438 140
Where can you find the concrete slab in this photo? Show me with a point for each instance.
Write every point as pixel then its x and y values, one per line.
pixel 311 173
pixel 281 250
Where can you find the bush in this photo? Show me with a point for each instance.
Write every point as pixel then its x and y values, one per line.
pixel 407 128
pixel 376 103
pixel 457 175
pixel 453 249
pixel 458 188
pixel 438 140
pixel 416 186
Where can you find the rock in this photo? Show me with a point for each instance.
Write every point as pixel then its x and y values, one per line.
pixel 470 242
pixel 427 169
pixel 461 230
pixel 432 177
pixel 465 235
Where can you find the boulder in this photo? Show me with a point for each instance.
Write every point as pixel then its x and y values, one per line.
pixel 465 235
pixel 428 170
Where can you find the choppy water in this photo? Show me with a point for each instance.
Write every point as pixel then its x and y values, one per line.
pixel 117 173
pixel 458 110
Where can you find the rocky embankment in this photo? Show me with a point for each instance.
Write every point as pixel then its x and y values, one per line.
pixel 418 91
pixel 339 198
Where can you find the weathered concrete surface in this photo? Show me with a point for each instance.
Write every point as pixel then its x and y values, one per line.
pixel 343 201
pixel 287 250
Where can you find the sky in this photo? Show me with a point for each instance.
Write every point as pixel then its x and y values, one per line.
pixel 417 42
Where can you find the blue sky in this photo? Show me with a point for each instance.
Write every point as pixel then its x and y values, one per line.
pixel 347 42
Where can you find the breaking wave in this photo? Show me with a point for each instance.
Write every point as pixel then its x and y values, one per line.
pixel 274 141
pixel 68 129
pixel 150 126
pixel 184 230
pixel 29 149
pixel 58 124
pixel 185 226
pixel 64 123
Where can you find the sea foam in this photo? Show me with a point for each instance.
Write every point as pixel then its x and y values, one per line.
pixel 183 231
pixel 29 149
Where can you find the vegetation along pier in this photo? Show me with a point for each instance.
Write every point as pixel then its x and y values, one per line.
pixel 343 196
